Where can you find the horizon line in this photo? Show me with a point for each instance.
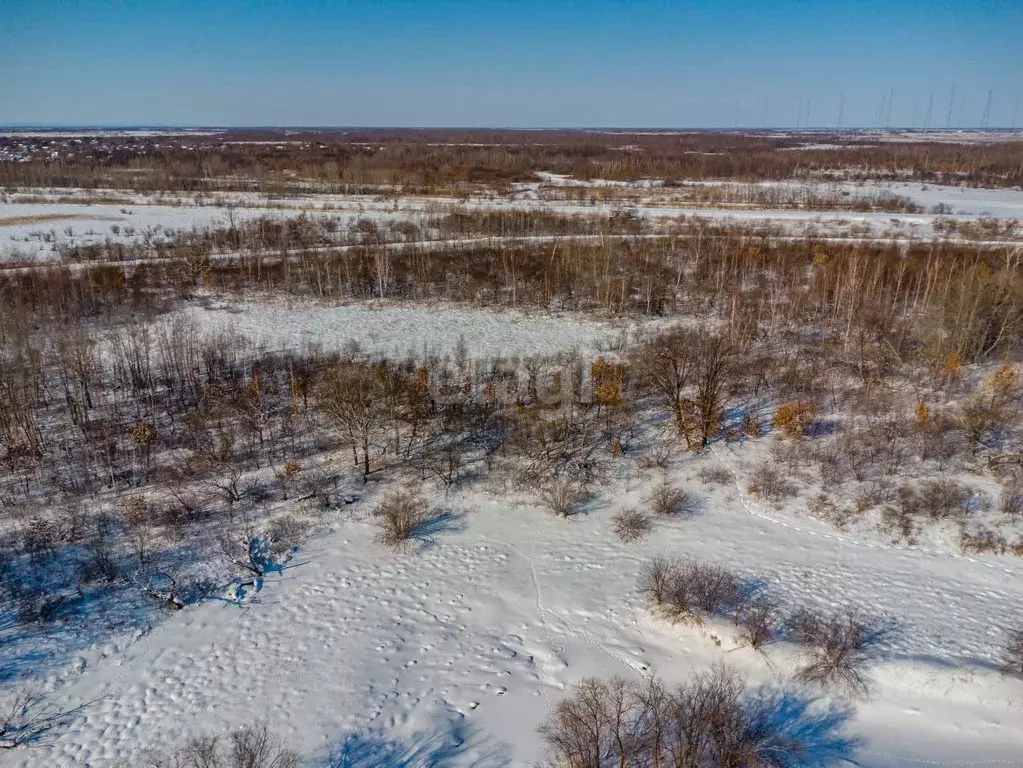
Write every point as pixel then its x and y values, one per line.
pixel 25 126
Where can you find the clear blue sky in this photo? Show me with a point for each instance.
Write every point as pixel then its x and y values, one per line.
pixel 528 63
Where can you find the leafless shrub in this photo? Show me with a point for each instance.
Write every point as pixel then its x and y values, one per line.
pixel 757 621
pixel 248 747
pixel 286 476
pixel 984 420
pixel 1012 654
pixel 981 542
pixel 831 464
pixel 767 482
pixel 161 587
pixel 99 562
pixel 630 524
pixel 793 456
pixel 287 532
pixel 716 589
pixel 562 497
pixel 667 501
pixel 824 508
pixel 654 579
pixel 838 649
pixel 35 607
pixel 189 502
pixel 71 520
pixel 874 493
pixel 253 554
pixel 27 717
pixel 795 419
pixel 710 720
pixel 40 539
pixel 938 441
pixel 657 457
pixel 715 476
pixel 944 499
pixel 860 454
pixel 317 483
pixel 899 519
pixel 682 590
pixel 399 515
pixel 1011 501
pixel 594 724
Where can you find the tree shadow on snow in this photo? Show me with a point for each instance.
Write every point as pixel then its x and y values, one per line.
pixel 437 749
pixel 426 532
pixel 790 721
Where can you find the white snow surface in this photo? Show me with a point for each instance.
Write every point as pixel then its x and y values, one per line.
pixel 453 655
pixel 27 240
pixel 999 203
pixel 24 239
pixel 396 330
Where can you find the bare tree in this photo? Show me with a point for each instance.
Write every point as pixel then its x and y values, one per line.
pixel 27 717
pixel 839 649
pixel 400 514
pixel 1012 654
pixel 351 393
pixel 630 525
pixel 248 747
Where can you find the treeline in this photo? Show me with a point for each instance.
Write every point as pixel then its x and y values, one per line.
pixel 435 161
pixel 881 304
pixel 272 236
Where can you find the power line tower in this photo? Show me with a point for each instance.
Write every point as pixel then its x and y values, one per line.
pixel 951 103
pixel 1015 110
pixel 930 107
pixel 888 117
pixel 841 109
pixel 987 110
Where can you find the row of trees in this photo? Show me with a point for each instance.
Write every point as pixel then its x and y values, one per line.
pixel 881 304
pixel 440 161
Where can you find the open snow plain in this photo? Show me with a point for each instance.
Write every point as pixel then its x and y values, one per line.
pixel 452 654
pixel 39 231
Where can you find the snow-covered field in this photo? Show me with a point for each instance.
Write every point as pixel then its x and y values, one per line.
pixel 37 231
pixel 452 655
pixel 395 331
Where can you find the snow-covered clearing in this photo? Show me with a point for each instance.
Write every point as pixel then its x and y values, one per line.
pixel 452 655
pixel 965 201
pixel 396 330
pixel 38 230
